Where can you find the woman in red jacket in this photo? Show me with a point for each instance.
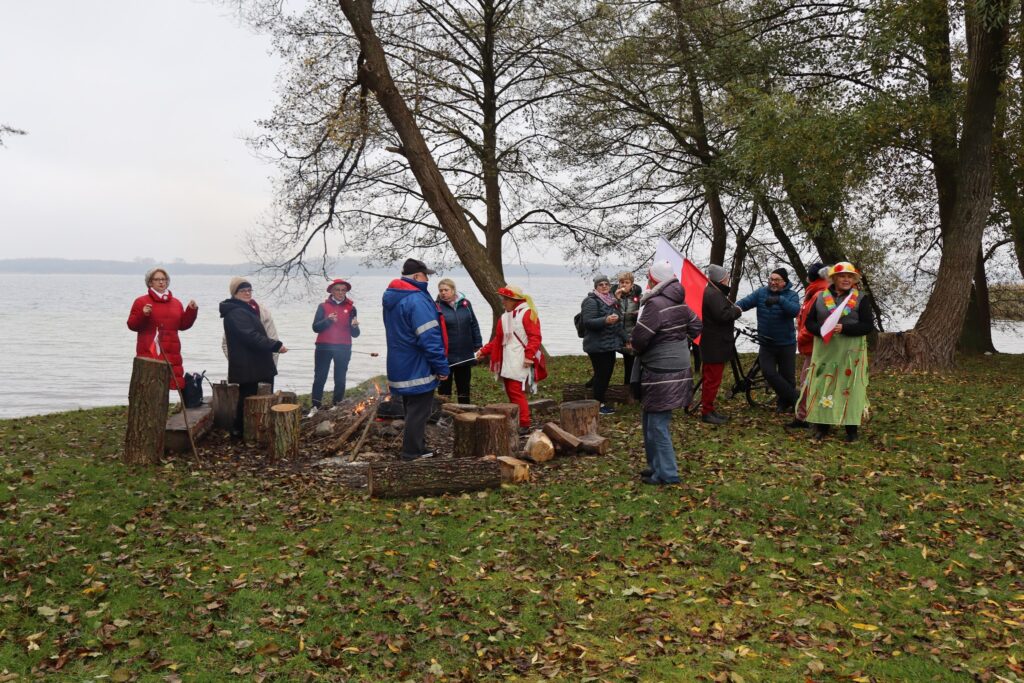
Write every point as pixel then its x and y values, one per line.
pixel 817 281
pixel 157 317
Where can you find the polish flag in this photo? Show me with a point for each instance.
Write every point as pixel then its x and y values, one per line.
pixel 829 326
pixel 691 277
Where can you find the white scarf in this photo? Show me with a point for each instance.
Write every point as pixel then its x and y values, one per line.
pixel 166 296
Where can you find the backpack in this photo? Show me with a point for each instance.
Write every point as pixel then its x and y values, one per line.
pixel 577 320
pixel 192 392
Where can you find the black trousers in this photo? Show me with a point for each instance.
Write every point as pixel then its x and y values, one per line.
pixel 604 365
pixel 340 355
pixel 417 412
pixel 245 390
pixel 778 363
pixel 627 360
pixel 462 374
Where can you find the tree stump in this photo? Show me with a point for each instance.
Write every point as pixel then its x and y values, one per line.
pixel 579 417
pixel 464 435
pixel 561 438
pixel 494 435
pixel 256 418
pixel 539 447
pixel 225 404
pixel 147 412
pixel 286 398
pixel 511 411
pixel 286 419
pixel 432 477
pixel 264 389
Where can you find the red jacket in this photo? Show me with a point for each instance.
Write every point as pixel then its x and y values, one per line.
pixel 495 348
pixel 169 317
pixel 804 339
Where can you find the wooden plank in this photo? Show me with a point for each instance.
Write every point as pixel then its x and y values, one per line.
pixel 200 421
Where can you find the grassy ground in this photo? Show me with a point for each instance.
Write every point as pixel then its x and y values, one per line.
pixel 896 559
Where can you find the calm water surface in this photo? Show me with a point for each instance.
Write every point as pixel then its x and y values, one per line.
pixel 66 344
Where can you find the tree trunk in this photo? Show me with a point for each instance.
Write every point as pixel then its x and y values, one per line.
pixel 286 418
pixel 432 477
pixel 940 323
pixel 792 253
pixel 375 75
pixel 976 335
pixel 225 404
pixel 464 436
pixel 494 435
pixel 147 412
pixel 579 417
pixel 256 417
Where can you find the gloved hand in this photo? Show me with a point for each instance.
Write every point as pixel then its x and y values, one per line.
pixel 772 299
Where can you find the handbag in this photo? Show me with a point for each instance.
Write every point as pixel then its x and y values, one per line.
pixel 192 392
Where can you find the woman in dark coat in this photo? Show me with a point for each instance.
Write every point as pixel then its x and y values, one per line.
pixel 661 340
pixel 603 335
pixel 250 350
pixel 464 339
pixel 717 341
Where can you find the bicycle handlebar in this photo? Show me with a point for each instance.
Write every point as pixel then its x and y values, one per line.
pixel 753 334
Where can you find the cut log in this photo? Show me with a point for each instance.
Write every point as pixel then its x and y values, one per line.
pixel 464 444
pixel 200 423
pixel 494 435
pixel 511 411
pixel 541 405
pixel 579 417
pixel 594 443
pixel 514 470
pixel 147 412
pixel 285 398
pixel 339 444
pixel 286 419
pixel 432 477
pixel 225 404
pixel 616 393
pixel 539 447
pixel 264 389
pixel 257 427
pixel 565 441
pixel 457 408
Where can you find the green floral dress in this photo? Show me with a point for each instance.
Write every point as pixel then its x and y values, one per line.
pixel 836 392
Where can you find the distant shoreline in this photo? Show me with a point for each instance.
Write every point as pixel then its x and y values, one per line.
pixel 57 266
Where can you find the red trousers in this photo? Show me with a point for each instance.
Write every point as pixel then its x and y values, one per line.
pixel 514 390
pixel 712 373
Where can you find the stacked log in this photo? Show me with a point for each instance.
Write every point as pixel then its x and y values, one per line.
pixel 286 419
pixel 431 477
pixel 147 412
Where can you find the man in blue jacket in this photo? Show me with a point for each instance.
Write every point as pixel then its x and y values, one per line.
pixel 777 308
pixel 417 357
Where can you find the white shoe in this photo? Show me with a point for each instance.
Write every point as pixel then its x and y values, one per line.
pixel 313 411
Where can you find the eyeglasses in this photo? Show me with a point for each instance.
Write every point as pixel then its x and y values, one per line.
pixel 775 279
pixel 159 279
pixel 244 290
pixel 604 284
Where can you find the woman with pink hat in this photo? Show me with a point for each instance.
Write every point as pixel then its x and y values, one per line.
pixel 336 324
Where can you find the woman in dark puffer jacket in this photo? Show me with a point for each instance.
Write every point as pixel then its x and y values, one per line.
pixel 603 336
pixel 464 338
pixel 661 340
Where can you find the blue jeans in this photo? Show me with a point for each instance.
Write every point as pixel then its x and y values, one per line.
pixel 661 457
pixel 340 354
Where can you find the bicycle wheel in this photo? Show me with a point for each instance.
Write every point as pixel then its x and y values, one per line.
pixel 759 393
pixel 694 406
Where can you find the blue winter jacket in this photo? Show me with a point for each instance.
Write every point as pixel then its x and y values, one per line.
pixel 412 324
pixel 776 320
pixel 464 338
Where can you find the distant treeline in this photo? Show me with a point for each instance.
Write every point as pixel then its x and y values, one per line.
pixel 57 266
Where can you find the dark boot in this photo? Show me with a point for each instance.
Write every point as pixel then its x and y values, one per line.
pixel 797 424
pixel 851 433
pixel 819 432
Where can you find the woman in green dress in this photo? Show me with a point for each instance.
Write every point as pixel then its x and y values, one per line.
pixel 836 391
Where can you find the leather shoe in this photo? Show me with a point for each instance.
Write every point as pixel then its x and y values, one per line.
pixel 713 419
pixel 798 424
pixel 646 472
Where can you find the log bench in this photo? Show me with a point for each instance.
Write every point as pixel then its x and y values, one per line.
pixel 200 422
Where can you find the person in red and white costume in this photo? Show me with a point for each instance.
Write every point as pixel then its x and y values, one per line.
pixel 514 352
pixel 157 317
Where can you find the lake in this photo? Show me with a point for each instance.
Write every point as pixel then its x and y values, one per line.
pixel 66 344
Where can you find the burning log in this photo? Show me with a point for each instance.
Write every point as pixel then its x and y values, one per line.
pixel 464 435
pixel 363 416
pixel 257 419
pixel 579 417
pixel 372 415
pixel 494 435
pixel 225 404
pixel 286 419
pixel 432 477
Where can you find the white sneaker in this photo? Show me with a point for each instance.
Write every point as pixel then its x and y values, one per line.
pixel 313 411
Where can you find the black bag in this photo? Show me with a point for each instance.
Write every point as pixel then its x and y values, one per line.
pixel 193 389
pixel 577 320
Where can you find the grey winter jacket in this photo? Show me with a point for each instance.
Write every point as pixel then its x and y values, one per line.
pixel 599 336
pixel 661 340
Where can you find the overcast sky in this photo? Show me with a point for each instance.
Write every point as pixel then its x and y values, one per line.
pixel 136 112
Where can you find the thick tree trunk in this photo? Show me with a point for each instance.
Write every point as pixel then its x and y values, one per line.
pixel 375 75
pixel 792 253
pixel 147 412
pixel 494 435
pixel 464 436
pixel 286 418
pixel 511 412
pixel 432 477
pixel 976 334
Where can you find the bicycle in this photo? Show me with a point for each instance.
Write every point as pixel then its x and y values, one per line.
pixel 751 382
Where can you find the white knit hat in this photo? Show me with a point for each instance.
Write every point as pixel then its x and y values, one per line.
pixel 661 271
